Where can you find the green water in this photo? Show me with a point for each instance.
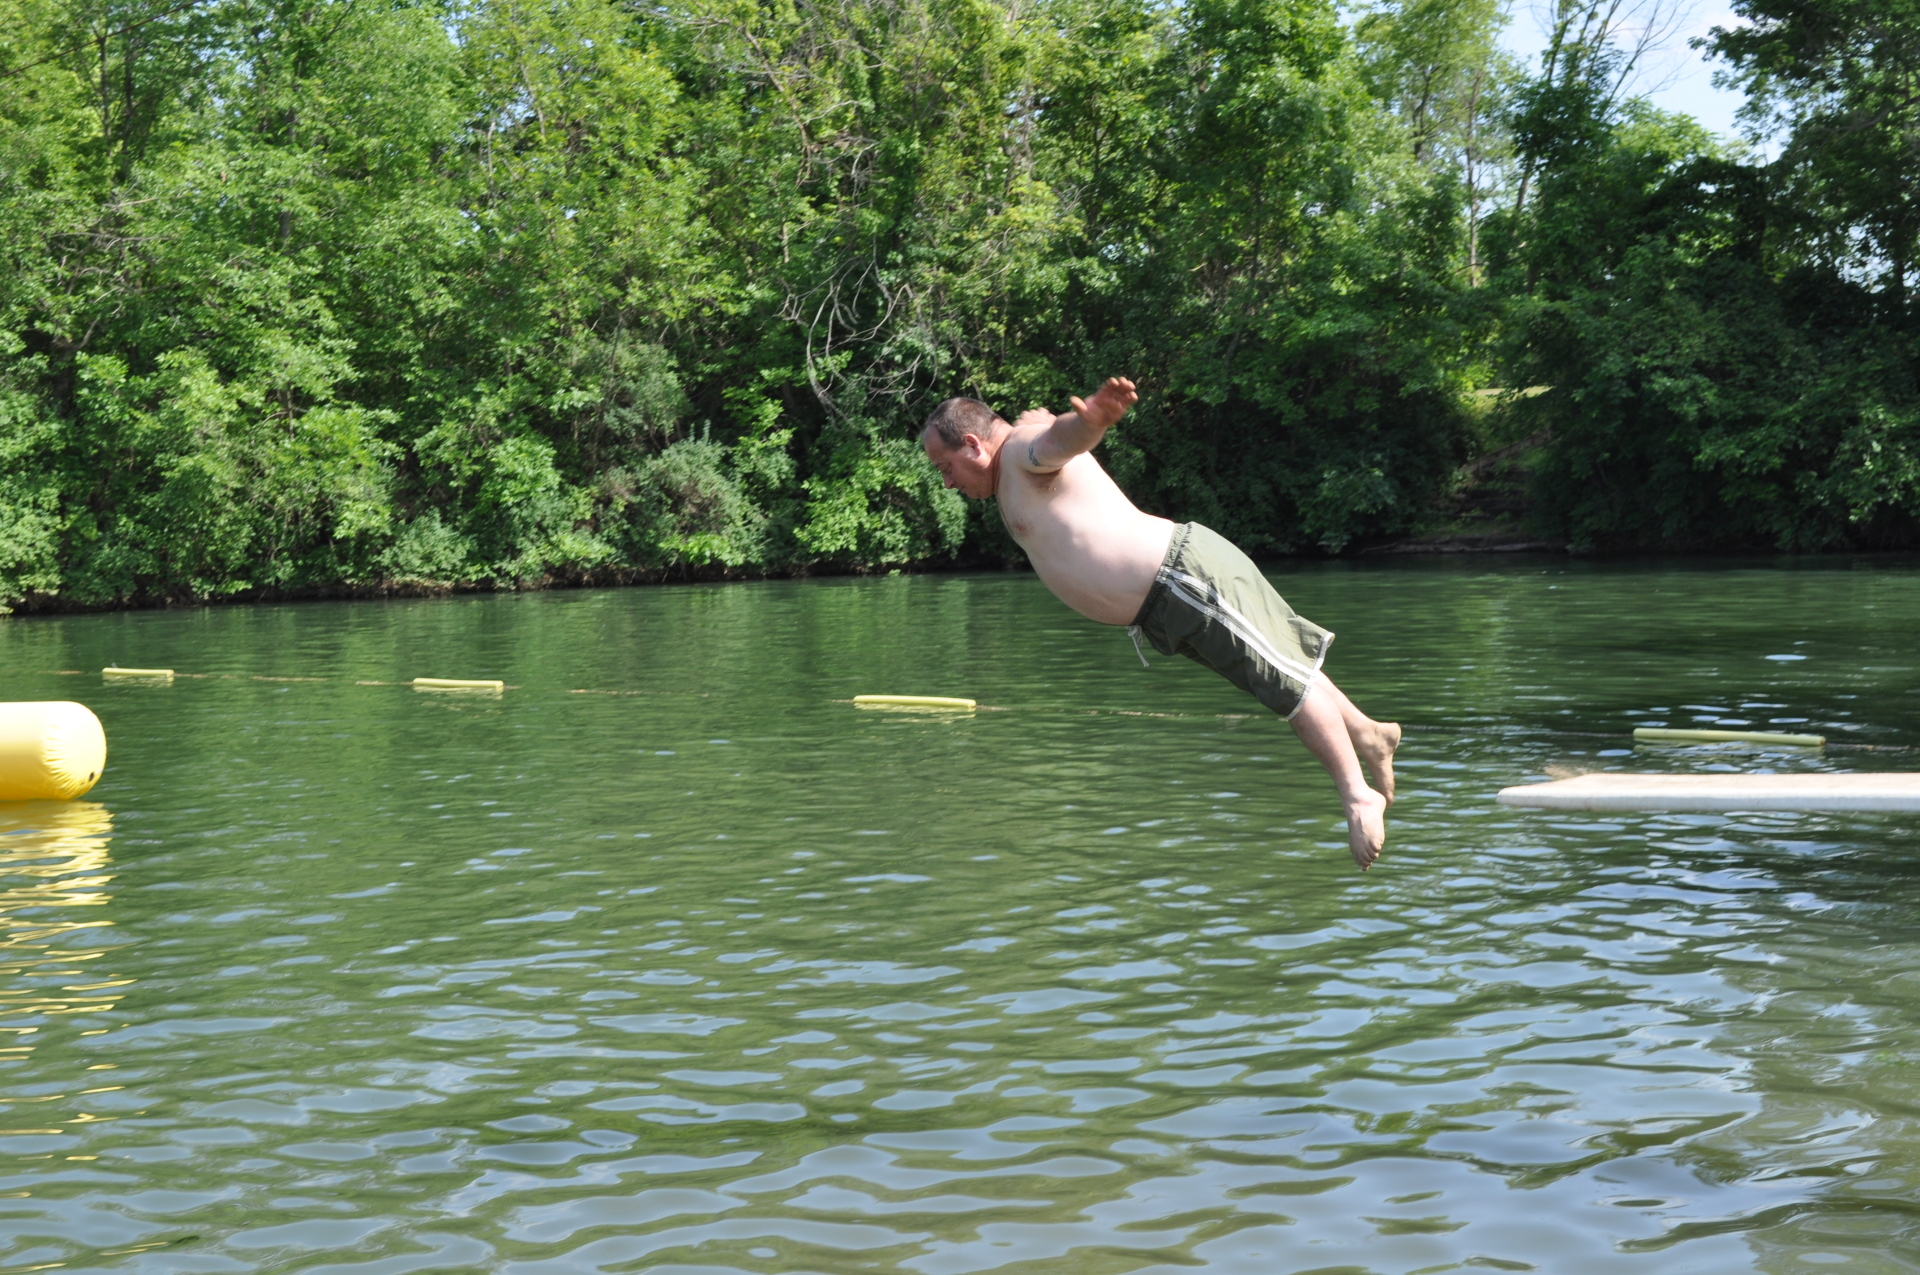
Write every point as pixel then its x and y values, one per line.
pixel 669 960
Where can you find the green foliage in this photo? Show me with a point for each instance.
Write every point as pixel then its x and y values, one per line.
pixel 1838 77
pixel 1720 376
pixel 31 522
pixel 316 293
pixel 880 504
pixel 1713 407
pixel 1291 295
pixel 684 507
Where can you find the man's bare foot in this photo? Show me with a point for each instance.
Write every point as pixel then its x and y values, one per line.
pixel 1367 827
pixel 1376 747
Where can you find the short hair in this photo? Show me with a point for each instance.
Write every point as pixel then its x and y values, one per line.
pixel 954 419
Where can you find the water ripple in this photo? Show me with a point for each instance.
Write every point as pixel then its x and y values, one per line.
pixel 717 974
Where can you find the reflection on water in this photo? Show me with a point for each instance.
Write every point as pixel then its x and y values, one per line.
pixel 53 885
pixel 709 971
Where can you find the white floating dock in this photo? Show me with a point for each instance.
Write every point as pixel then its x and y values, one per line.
pixel 1715 793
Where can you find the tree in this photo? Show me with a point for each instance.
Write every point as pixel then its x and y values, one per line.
pixel 1842 79
pixel 1438 67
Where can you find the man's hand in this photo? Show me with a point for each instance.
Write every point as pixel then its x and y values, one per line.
pixel 1108 404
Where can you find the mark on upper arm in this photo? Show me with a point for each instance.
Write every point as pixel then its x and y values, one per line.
pixel 1033 454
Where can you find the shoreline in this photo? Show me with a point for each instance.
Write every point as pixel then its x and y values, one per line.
pixel 34 605
pixel 1447 546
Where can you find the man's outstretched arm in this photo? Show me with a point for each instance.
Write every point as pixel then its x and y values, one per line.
pixel 1042 448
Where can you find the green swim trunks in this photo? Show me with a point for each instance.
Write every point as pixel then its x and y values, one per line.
pixel 1211 604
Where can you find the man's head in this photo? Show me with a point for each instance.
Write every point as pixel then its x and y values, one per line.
pixel 962 438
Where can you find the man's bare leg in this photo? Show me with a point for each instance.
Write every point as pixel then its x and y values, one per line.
pixel 1322 729
pixel 1375 742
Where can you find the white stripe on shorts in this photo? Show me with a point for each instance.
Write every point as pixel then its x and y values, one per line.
pixel 1206 599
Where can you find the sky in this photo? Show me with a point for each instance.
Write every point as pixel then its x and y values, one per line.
pixel 1686 74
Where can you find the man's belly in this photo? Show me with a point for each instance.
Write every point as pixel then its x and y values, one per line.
pixel 1104 579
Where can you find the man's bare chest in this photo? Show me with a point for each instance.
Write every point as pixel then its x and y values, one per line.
pixel 1029 504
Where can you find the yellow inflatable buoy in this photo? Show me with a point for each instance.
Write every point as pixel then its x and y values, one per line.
pixel 457 684
pixel 913 701
pixel 52 749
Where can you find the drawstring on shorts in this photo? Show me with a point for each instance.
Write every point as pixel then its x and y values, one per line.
pixel 1133 631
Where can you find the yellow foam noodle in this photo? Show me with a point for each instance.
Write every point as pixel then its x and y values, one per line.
pixel 1653 735
pixel 913 701
pixel 165 674
pixel 456 684
pixel 49 750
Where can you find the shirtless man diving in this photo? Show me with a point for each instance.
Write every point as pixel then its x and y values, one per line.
pixel 1184 588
